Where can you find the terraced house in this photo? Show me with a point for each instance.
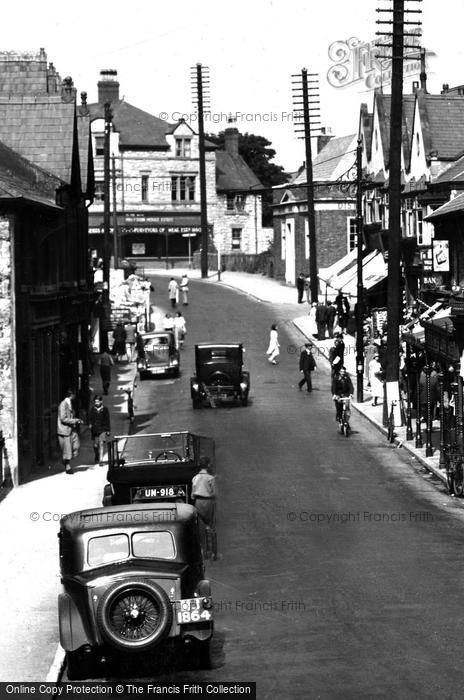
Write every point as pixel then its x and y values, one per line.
pixel 155 191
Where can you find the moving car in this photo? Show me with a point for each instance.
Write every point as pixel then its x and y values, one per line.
pixel 132 583
pixel 219 374
pixel 155 466
pixel 158 355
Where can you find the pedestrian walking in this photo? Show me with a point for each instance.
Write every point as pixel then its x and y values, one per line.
pixel 376 380
pixel 184 288
pixel 105 362
pixel 312 320
pixel 173 292
pixel 300 285
pixel 130 329
pixel 273 348
pixel 168 322
pixel 337 355
pixel 119 342
pixel 321 320
pixel 100 428
pixel 331 312
pixel 67 430
pixel 307 288
pixel 180 329
pixel 307 366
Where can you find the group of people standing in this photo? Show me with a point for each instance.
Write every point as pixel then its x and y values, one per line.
pixel 175 288
pixel 325 317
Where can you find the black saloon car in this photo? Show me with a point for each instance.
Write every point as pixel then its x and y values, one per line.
pixel 132 583
pixel 219 374
pixel 158 355
pixel 155 466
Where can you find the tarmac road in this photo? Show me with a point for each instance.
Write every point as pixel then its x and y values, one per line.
pixel 340 574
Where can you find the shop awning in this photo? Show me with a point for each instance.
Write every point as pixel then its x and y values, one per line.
pixel 328 274
pixel 375 270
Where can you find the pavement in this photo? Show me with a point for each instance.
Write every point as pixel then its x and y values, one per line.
pixel 30 514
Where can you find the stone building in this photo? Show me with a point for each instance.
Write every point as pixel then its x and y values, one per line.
pixel 155 186
pixel 45 288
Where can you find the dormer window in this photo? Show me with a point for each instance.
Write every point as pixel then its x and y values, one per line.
pixel 183 147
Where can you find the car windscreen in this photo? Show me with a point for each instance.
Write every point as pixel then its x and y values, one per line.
pixel 225 354
pixel 153 545
pixel 159 343
pixel 106 549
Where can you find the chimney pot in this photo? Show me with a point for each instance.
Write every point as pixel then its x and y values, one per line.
pixel 231 137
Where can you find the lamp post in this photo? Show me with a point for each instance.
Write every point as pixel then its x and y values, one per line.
pixel 409 432
pixel 428 424
pixel 360 290
pixel 418 415
pixel 441 384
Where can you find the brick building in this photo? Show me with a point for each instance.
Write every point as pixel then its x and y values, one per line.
pixel 45 289
pixel 156 185
pixel 335 212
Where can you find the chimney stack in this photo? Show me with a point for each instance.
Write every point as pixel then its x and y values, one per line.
pixel 108 86
pixel 323 138
pixel 445 88
pixel 231 137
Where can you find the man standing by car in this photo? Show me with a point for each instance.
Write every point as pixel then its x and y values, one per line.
pixel 67 427
pixel 204 492
pixel 307 365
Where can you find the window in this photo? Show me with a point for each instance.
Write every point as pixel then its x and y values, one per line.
pixel 182 188
pixel 283 244
pixel 99 145
pixel 236 202
pixel 144 188
pixel 183 147
pixel 352 233
pixel 236 238
pixel 153 545
pixel 99 191
pixel 103 550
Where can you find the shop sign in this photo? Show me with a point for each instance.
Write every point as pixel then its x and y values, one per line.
pixel 440 256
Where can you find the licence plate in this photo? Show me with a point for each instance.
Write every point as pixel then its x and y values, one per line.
pixel 191 610
pixel 148 493
pixel 157 370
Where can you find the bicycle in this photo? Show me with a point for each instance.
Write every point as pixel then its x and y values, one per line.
pixel 345 414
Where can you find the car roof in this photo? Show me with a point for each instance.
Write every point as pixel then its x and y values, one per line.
pixel 218 345
pixel 132 515
pixel 156 334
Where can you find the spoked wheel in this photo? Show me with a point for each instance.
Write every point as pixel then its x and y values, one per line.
pixel 135 615
pixel 458 480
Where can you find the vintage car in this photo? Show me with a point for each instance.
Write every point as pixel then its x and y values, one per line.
pixel 158 355
pixel 132 584
pixel 155 466
pixel 219 374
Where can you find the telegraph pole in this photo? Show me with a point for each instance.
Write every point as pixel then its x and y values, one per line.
pixel 104 322
pixel 116 251
pixel 394 173
pixel 306 89
pixel 360 288
pixel 201 81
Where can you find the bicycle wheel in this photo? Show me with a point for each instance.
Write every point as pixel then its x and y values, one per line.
pixel 458 480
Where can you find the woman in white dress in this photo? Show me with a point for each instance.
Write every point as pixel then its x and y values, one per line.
pixel 273 349
pixel 180 329
pixel 312 320
pixel 375 378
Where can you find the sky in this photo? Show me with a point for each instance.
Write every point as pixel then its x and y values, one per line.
pixel 251 51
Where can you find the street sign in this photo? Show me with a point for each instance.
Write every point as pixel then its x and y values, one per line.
pixel 189 235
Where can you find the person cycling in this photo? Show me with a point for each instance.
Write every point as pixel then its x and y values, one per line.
pixel 342 387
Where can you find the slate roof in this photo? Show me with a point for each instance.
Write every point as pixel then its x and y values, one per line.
pixel 233 174
pixel 136 128
pixel 333 161
pixel 453 207
pixel 442 119
pixel 454 173
pixel 20 179
pixel 41 129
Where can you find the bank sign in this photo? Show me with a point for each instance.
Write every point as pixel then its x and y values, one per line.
pixel 356 61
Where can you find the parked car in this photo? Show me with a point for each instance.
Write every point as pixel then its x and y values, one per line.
pixel 159 355
pixel 132 583
pixel 219 374
pixel 155 466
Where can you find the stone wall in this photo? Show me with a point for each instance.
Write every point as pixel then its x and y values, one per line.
pixel 7 350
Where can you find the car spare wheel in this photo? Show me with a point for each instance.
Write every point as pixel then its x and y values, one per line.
pixel 218 378
pixel 134 615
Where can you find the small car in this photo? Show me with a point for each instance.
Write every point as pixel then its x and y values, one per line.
pixel 219 374
pixel 159 355
pixel 155 466
pixel 132 584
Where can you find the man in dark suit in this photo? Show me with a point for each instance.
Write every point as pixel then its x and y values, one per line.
pixel 321 320
pixel 330 318
pixel 307 365
pixel 300 285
